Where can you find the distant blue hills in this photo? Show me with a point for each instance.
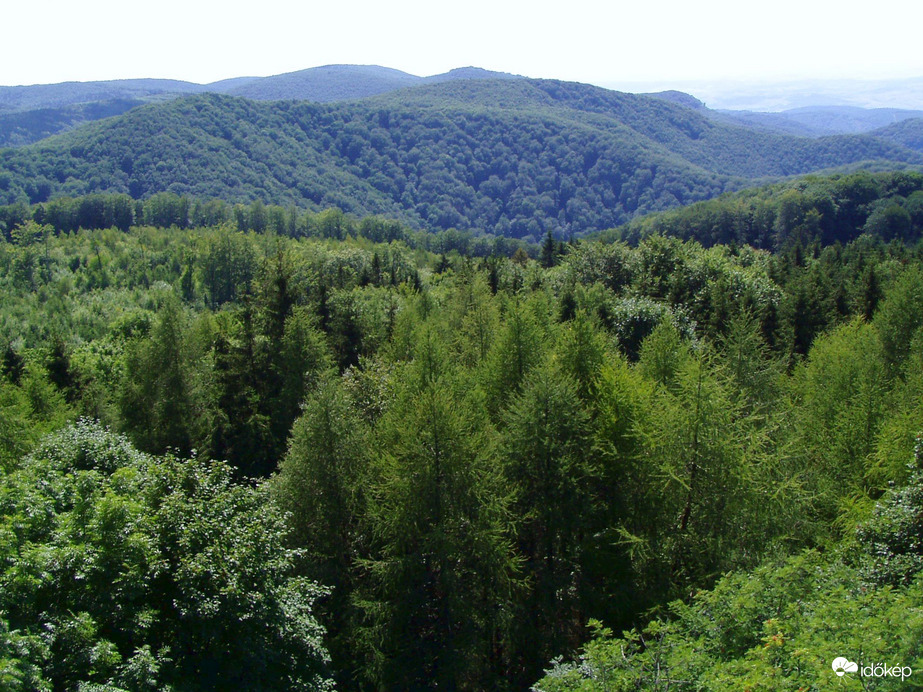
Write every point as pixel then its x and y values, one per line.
pixel 31 113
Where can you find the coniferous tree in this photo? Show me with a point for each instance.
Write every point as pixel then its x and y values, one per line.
pixel 516 349
pixel 442 574
pixel 900 316
pixel 841 403
pixel 320 484
pixel 154 399
pixel 545 438
pixel 549 253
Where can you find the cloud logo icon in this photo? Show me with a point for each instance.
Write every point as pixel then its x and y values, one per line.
pixel 842 665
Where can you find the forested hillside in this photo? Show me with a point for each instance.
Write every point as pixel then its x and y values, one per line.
pixel 31 113
pixel 815 209
pixel 821 121
pixel 907 133
pixel 323 84
pixel 510 157
pixel 338 450
pixel 17 99
pixel 343 82
pixel 19 129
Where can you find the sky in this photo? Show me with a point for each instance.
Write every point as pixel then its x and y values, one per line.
pixel 630 45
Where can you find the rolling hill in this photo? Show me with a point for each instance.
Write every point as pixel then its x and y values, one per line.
pixel 343 83
pixel 31 113
pixel 806 121
pixel 513 157
pixel 827 209
pixel 28 114
pixel 820 121
pixel 26 127
pixel 16 99
pixel 907 133
pixel 325 84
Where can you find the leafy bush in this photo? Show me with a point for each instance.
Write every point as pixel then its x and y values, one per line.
pixel 892 540
pixel 131 571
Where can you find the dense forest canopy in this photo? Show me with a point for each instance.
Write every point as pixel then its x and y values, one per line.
pixel 814 209
pixel 253 446
pixel 513 157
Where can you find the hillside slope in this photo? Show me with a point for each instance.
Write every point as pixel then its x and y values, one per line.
pixel 332 83
pixel 907 133
pixel 826 209
pixel 820 121
pixel 27 127
pixel 29 114
pixel 514 157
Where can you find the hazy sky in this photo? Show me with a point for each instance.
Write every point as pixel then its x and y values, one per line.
pixel 612 44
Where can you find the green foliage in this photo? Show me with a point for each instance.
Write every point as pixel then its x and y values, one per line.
pixel 227 265
pixel 829 209
pixel 699 452
pixel 477 455
pixel 777 628
pixel 900 316
pixel 516 158
pixel 545 437
pixel 663 355
pixel 155 404
pixel 892 539
pixel 320 486
pixel 781 626
pixel 841 403
pixel 442 572
pixel 134 571
pixel 755 374
pixel 514 352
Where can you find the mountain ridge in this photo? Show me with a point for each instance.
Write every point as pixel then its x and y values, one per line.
pixel 30 113
pixel 292 85
pixel 513 157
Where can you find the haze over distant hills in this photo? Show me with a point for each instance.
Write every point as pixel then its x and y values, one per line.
pixel 31 113
pixel 766 96
pixel 322 84
pixel 811 109
pixel 342 83
pixel 819 121
pixel 807 121
pixel 334 82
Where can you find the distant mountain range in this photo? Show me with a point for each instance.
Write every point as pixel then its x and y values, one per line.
pixel 468 149
pixel 806 121
pixel 777 96
pixel 820 121
pixel 31 113
pixel 323 84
